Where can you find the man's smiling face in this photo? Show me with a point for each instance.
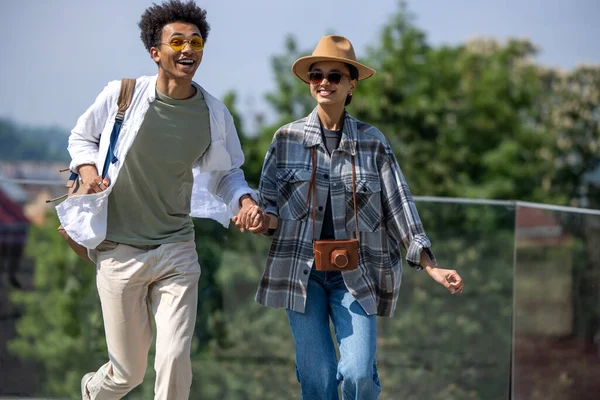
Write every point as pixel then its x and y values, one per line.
pixel 180 64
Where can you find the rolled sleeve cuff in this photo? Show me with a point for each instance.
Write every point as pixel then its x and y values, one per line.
pixel 87 158
pixel 413 254
pixel 271 210
pixel 274 211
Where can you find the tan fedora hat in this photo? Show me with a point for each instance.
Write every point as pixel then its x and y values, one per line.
pixel 331 48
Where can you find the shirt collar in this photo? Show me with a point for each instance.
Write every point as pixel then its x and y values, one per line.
pixel 151 90
pixel 312 132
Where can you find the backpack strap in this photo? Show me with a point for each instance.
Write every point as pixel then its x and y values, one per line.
pixel 124 101
pixel 125 96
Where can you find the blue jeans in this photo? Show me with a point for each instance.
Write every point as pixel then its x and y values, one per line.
pixel 317 367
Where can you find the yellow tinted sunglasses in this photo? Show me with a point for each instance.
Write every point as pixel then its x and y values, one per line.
pixel 178 43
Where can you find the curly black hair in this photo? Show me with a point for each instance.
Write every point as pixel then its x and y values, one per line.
pixel 157 16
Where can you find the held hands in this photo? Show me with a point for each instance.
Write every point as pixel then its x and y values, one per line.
pixel 449 278
pixel 251 217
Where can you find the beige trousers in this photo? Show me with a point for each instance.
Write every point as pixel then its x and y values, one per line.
pixel 132 282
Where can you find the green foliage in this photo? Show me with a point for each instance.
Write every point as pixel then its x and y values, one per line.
pixel 211 239
pixel 35 144
pixel 257 363
pixel 292 99
pixel 570 116
pixel 250 145
pixel 61 327
pixel 479 119
pixel 459 344
pixel 458 117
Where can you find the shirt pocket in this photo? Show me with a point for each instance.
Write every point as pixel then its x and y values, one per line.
pixel 293 193
pixel 368 204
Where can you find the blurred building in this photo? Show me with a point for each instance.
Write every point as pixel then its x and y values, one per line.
pixel 30 184
pixel 14 226
pixel 13 237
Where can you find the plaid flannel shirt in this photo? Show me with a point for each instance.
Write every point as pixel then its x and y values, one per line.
pixel 387 216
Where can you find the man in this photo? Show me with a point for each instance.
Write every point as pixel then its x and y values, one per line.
pixel 178 153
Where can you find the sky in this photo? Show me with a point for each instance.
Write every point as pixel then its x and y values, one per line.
pixel 57 55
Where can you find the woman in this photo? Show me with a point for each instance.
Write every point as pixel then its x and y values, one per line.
pixel 309 191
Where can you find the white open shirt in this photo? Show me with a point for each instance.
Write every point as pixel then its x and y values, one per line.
pixel 218 180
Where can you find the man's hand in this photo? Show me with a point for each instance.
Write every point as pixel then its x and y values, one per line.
pixel 449 278
pixel 251 216
pixel 270 221
pixel 91 182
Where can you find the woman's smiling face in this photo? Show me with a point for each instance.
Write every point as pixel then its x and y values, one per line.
pixel 328 93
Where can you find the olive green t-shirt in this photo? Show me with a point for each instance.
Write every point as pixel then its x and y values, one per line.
pixel 150 202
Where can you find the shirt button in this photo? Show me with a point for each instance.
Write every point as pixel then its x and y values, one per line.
pixel 320 208
pixel 305 272
pixel 326 176
pixel 335 184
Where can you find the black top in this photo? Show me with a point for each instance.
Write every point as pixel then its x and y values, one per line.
pixel 332 141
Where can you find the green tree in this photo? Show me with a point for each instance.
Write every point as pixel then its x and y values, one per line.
pixel 61 327
pixel 291 101
pixel 459 117
pixel 571 116
pixel 479 119
pixel 35 144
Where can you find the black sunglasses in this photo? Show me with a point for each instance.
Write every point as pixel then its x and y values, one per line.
pixel 316 77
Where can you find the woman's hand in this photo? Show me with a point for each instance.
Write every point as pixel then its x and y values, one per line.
pixel 449 278
pixel 270 222
pixel 259 221
pixel 251 217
